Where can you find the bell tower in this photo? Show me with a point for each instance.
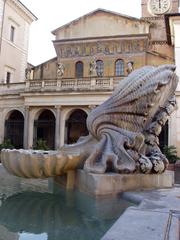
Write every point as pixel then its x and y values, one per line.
pixel 157 8
pixel 154 11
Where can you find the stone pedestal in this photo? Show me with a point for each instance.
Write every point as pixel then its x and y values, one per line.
pixel 112 183
pixel 177 172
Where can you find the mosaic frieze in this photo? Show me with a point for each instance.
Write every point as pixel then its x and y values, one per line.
pixel 106 48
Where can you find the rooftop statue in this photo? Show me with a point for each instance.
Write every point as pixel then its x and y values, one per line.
pixel 123 131
pixel 60 70
pixel 93 67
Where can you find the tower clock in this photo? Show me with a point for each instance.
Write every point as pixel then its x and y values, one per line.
pixel 158 7
pixel 153 8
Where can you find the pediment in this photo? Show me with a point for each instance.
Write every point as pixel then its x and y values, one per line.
pixel 101 23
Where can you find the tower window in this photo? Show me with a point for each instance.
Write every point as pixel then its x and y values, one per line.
pixel 12 33
pixel 8 77
pixel 79 70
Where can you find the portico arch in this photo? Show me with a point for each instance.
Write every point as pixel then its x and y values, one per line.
pixel 14 128
pixel 44 128
pixel 76 126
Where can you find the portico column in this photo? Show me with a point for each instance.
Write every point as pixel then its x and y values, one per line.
pixel 26 127
pixel 2 125
pixel 57 128
pixel 31 129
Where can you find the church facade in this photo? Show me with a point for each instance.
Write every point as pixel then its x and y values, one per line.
pixel 94 53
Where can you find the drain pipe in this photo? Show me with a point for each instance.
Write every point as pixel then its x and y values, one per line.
pixel 2 25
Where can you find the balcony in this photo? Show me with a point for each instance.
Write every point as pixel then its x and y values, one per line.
pixel 62 85
pixel 66 84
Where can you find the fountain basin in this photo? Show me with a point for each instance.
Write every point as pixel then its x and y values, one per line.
pixel 38 163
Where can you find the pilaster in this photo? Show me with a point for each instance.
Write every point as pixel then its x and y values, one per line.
pixel 57 128
pixel 26 127
pixel 2 124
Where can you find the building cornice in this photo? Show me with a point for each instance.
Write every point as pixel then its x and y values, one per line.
pixel 146 35
pixel 158 42
pixel 65 93
pixel 23 9
pixel 155 53
pixel 149 19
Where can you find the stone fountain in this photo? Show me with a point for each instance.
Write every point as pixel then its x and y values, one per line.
pixel 123 136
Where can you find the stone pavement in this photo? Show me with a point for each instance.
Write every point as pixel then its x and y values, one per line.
pixel 157 216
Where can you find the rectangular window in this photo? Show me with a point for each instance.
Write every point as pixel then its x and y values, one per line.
pixel 8 77
pixel 12 32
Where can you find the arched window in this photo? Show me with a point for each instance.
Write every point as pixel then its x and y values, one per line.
pixel 99 68
pixel 119 67
pixel 79 69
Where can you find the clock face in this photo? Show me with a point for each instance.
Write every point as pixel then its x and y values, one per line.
pixel 159 6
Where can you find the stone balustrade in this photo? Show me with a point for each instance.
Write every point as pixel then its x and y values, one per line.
pixel 65 84
pixel 71 84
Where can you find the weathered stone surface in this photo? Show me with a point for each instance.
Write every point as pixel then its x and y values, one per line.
pixel 128 124
pixel 38 164
pixel 156 217
pixel 113 183
pixel 140 225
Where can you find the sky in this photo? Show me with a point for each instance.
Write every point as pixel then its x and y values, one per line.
pixel 52 14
